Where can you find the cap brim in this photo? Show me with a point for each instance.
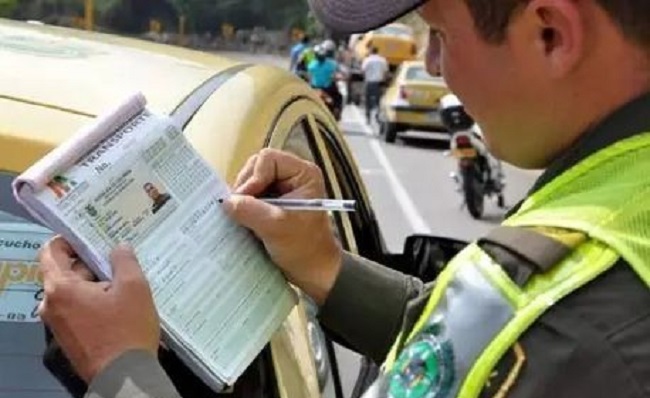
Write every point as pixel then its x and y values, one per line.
pixel 357 16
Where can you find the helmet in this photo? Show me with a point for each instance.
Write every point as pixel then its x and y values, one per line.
pixel 320 51
pixel 329 46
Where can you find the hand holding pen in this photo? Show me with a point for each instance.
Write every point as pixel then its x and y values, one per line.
pixel 302 243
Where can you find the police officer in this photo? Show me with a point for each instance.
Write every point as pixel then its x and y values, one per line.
pixel 553 303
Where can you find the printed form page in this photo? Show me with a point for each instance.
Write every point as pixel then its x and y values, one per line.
pixel 215 288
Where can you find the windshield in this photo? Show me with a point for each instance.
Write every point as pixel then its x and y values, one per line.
pixel 392 30
pixel 419 73
pixel 22 337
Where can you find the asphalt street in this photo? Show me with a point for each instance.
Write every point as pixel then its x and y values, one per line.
pixel 411 191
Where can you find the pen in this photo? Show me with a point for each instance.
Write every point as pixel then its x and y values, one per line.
pixel 312 204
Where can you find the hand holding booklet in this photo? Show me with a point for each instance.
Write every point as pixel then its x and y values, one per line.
pixel 131 177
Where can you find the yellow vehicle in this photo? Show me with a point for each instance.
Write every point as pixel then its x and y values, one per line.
pixel 395 42
pixel 55 80
pixel 411 102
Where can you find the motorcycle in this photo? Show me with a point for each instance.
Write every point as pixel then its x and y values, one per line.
pixel 335 108
pixel 479 173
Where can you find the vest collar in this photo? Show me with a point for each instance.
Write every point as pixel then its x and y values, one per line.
pixel 629 120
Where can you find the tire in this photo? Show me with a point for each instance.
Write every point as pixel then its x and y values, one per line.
pixel 349 99
pixel 473 191
pixel 389 131
pixel 501 201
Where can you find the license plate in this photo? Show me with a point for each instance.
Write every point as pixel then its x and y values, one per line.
pixel 464 153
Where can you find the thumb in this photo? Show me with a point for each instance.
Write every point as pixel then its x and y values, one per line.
pixel 125 265
pixel 254 214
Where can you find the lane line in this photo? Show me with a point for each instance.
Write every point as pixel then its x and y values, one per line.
pixel 406 203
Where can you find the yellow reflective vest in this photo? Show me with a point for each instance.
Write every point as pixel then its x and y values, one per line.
pixel 476 312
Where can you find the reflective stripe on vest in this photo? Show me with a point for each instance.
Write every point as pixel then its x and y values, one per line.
pixel 476 313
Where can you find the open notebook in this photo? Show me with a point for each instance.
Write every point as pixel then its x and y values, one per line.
pixel 132 177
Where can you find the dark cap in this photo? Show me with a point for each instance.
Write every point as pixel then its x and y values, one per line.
pixel 356 16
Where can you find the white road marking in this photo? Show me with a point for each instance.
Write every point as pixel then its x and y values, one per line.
pixel 406 203
pixel 371 172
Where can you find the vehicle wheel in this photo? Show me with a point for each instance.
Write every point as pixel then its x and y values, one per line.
pixel 473 191
pixel 501 201
pixel 389 131
pixel 349 98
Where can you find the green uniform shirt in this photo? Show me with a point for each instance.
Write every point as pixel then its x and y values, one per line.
pixel 594 343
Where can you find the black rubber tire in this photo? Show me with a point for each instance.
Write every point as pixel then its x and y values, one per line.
pixel 501 201
pixel 389 131
pixel 473 191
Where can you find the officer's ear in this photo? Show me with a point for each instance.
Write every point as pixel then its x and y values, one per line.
pixel 555 32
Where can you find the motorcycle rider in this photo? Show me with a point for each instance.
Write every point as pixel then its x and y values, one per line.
pixel 304 59
pixel 296 53
pixel 322 74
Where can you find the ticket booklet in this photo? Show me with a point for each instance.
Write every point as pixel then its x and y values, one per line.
pixel 132 177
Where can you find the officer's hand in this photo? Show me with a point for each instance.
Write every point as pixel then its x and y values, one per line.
pixel 301 243
pixel 95 322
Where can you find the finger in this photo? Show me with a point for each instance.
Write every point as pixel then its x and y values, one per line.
pixel 80 269
pixel 260 217
pixel 272 166
pixel 246 172
pixel 310 184
pixel 56 256
pixel 126 268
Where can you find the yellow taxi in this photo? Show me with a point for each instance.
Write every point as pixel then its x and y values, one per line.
pixel 411 102
pixel 395 42
pixel 54 80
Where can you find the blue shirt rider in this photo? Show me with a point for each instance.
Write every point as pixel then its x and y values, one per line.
pixel 322 70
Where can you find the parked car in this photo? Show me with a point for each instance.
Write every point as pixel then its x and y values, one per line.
pixel 55 80
pixel 411 101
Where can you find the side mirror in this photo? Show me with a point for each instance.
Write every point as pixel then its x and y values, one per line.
pixel 425 256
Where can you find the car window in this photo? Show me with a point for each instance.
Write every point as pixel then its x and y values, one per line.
pixel 419 73
pixel 22 337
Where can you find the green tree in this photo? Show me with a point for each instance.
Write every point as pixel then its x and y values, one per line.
pixel 7 7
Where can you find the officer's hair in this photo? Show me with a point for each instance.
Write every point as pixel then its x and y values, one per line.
pixel 492 17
